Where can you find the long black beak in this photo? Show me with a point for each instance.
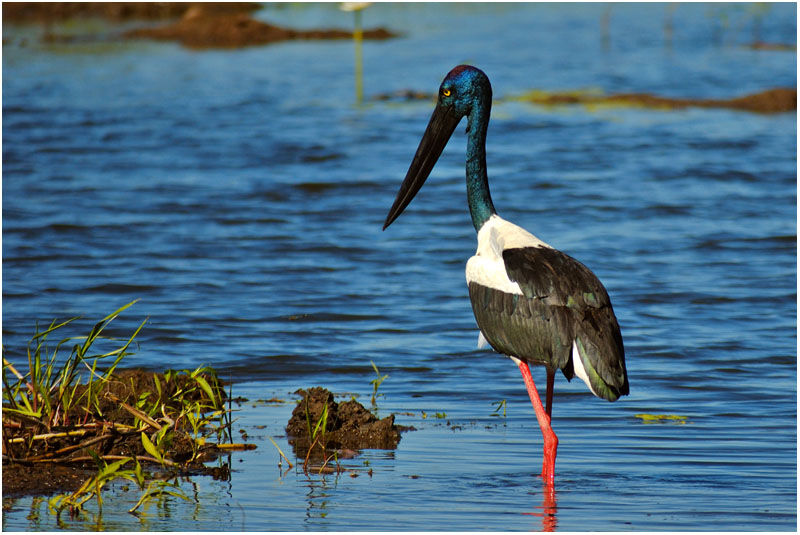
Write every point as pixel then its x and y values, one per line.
pixel 440 128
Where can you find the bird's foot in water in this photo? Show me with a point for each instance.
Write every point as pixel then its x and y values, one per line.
pixel 549 455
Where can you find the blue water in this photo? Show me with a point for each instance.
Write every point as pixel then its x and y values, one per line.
pixel 240 194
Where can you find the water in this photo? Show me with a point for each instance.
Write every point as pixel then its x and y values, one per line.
pixel 240 195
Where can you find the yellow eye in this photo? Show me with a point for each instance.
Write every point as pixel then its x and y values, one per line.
pixel 446 92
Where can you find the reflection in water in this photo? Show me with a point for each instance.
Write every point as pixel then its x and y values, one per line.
pixel 549 508
pixel 317 498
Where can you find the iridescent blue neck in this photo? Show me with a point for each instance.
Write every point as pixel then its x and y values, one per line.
pixel 480 201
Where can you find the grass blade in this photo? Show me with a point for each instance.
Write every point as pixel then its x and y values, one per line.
pixel 151 448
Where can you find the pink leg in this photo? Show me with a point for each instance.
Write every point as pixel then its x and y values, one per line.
pixel 550 439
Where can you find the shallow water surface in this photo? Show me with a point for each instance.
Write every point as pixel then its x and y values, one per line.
pixel 240 194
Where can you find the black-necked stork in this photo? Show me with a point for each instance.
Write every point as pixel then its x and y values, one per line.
pixel 532 302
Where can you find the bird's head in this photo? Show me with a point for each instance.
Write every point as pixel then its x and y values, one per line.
pixel 464 89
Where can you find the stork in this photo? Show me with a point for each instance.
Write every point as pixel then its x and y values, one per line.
pixel 532 302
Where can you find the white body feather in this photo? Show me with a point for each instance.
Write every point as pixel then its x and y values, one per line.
pixel 488 268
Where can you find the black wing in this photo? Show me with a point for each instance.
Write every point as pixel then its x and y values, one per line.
pixel 563 302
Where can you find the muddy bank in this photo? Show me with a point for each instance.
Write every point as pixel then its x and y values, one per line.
pixel 782 47
pixel 347 426
pixel 42 461
pixel 45 12
pixel 199 28
pixel 777 100
pixel 195 25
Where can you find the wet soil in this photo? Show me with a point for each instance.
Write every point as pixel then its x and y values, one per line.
pixel 42 480
pixel 199 28
pixel 348 426
pixel 61 462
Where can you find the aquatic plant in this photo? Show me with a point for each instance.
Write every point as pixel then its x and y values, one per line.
pixel 662 418
pixel 315 433
pixel 376 383
pixel 93 486
pixel 74 410
pixel 48 394
pixel 283 455
pixel 500 405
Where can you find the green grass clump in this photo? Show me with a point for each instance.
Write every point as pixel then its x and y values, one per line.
pixel 48 394
pixel 75 405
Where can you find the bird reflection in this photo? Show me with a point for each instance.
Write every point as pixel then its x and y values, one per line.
pixel 547 511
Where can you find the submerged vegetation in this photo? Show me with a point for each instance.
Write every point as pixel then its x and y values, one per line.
pixel 74 408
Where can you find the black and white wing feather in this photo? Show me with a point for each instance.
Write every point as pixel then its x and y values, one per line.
pixel 537 304
pixel 578 305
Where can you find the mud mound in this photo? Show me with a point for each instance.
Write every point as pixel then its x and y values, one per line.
pixel 126 386
pixel 349 425
pixel 199 28
pixel 770 101
pixel 781 99
pixel 114 11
